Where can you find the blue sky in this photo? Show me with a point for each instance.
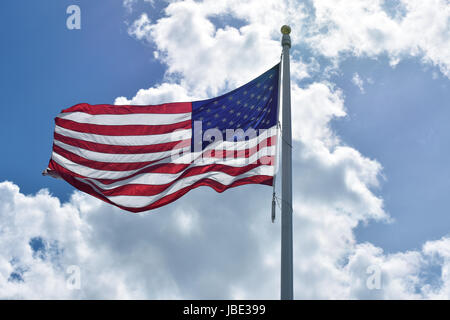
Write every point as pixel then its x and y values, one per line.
pixel 394 130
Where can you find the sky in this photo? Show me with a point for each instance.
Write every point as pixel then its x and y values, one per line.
pixel 370 104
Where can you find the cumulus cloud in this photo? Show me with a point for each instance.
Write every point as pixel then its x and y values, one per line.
pixel 173 253
pixel 189 251
pixel 191 45
pixel 193 48
pixel 371 28
pixel 312 109
pixel 166 92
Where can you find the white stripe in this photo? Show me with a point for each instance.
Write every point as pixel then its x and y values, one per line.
pixel 176 135
pixel 221 177
pixel 120 158
pixel 126 119
pixel 103 174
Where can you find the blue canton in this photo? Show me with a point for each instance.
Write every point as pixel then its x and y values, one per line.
pixel 254 105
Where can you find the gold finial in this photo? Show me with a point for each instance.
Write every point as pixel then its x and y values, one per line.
pixel 285 29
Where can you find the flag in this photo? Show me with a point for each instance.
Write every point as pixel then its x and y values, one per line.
pixel 143 157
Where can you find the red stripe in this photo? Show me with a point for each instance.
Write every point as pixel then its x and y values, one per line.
pixel 259 179
pixel 122 130
pixel 176 107
pixel 108 148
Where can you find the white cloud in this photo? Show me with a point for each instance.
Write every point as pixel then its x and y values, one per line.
pixel 312 109
pixel 364 28
pixel 166 92
pixel 173 253
pixel 188 251
pixel 193 48
pixel 128 4
pixel 140 27
pixel 357 81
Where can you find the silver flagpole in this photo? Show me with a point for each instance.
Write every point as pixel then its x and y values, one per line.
pixel 287 289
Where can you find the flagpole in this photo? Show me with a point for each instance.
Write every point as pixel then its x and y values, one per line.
pixel 287 291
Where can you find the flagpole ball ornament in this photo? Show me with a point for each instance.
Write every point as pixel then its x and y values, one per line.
pixel 286 39
pixel 285 29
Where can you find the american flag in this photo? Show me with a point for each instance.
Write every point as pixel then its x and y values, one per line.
pixel 143 157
